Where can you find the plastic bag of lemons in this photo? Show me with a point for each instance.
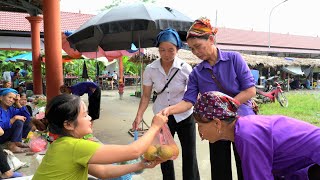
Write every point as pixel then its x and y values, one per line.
pixel 163 148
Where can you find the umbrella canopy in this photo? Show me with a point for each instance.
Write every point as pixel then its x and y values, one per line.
pixel 119 27
pixel 27 57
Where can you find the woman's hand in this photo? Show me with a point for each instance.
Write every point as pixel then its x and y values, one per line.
pixel 17 97
pixel 159 120
pixel 17 101
pixel 165 111
pixel 136 122
pixel 1 131
pixel 17 117
pixel 151 164
pixel 21 118
pixel 92 89
pixel 41 125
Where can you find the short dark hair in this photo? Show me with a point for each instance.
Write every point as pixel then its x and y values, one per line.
pixel 60 109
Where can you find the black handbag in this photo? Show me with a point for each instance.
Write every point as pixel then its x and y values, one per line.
pixel 155 94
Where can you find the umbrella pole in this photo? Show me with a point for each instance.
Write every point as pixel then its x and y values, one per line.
pixel 141 68
pixel 141 130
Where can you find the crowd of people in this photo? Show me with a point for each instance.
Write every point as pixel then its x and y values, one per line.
pixel 214 96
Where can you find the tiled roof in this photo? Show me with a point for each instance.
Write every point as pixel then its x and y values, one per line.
pixel 256 38
pixel 12 21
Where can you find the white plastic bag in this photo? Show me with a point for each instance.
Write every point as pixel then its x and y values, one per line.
pixel 13 161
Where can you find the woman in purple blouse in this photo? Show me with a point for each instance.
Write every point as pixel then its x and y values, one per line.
pixel 270 147
pixel 233 77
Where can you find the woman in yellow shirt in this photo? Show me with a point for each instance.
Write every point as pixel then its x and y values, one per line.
pixel 71 157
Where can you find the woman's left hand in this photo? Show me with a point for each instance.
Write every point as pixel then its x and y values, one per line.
pixel 17 98
pixel 151 164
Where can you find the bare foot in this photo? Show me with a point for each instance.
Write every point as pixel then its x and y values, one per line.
pixel 22 145
pixel 15 149
pixel 7 174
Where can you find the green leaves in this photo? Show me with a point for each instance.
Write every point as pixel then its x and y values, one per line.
pixel 10 66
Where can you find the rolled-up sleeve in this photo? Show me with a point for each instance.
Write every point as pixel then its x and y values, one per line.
pixel 147 76
pixel 243 72
pixel 192 89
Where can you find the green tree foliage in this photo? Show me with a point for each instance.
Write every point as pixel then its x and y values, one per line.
pixel 75 67
pixel 10 66
pixel 130 67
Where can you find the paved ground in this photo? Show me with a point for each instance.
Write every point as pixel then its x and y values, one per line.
pixel 112 128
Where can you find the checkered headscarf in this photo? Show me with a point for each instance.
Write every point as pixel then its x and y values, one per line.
pixel 214 104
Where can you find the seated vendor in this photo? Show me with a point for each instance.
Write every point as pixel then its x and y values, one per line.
pixel 7 84
pixel 14 120
pixel 37 124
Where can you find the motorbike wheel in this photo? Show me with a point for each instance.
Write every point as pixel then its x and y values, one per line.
pixel 282 99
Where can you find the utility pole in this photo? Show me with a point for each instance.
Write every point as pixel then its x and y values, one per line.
pixel 269 42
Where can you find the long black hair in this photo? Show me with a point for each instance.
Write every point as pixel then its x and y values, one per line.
pixel 62 108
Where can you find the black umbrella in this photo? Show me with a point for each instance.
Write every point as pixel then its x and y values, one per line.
pixel 119 27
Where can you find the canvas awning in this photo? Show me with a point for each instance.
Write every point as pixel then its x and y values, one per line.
pixel 294 70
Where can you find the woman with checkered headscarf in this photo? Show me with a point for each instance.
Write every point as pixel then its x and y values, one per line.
pixel 223 71
pixel 270 147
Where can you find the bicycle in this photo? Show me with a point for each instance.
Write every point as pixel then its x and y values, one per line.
pixel 275 93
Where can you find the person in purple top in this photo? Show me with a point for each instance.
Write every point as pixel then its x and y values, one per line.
pixel 223 71
pixel 94 96
pixel 270 147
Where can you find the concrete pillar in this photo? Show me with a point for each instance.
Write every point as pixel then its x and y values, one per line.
pixel 36 60
pixel 53 45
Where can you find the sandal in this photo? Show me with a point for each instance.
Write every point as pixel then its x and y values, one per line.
pixel 16 174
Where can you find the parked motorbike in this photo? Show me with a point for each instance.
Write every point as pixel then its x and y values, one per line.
pixel 271 95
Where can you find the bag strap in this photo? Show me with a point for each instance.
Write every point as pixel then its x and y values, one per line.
pixel 223 89
pixel 165 86
pixel 219 84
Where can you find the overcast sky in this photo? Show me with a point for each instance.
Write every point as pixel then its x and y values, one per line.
pixel 293 17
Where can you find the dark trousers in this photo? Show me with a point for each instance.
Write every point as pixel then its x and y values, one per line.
pixel 4 166
pixel 314 172
pixel 220 159
pixel 17 131
pixel 94 104
pixel 186 131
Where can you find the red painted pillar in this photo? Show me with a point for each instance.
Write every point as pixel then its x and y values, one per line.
pixel 121 78
pixel 36 60
pixel 53 45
